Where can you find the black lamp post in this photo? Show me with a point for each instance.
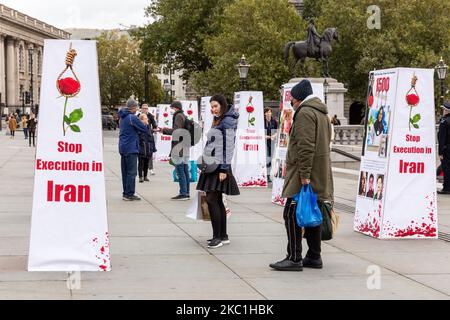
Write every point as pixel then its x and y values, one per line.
pixel 326 88
pixel 146 82
pixel 1 112
pixel 30 53
pixel 441 70
pixel 243 68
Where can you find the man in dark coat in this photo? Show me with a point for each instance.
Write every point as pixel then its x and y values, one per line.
pixel 179 154
pixel 130 126
pixel 307 163
pixel 271 126
pixel 444 147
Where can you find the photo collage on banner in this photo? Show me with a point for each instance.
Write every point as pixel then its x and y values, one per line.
pixel 396 196
pixel 69 230
pixel 285 123
pixel 164 142
pixel 249 161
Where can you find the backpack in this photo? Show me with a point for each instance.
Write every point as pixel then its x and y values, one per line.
pixel 194 130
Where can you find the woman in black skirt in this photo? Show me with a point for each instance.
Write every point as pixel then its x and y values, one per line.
pixel 219 180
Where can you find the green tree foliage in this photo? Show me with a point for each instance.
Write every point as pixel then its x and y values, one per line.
pixel 413 33
pixel 178 32
pixel 259 30
pixel 312 8
pixel 121 70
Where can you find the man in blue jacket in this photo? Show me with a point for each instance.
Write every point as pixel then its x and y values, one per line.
pixel 130 126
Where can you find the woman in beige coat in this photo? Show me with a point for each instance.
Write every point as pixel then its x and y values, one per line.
pixel 12 126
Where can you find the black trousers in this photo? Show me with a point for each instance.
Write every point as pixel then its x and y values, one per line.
pixel 218 214
pixel 32 134
pixel 294 232
pixel 143 166
pixel 445 164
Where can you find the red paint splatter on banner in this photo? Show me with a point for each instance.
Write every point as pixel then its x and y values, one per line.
pixel 254 183
pixel 371 225
pixel 427 228
pixel 279 200
pixel 102 253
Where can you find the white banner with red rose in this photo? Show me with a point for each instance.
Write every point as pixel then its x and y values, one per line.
pixel 190 109
pixel 285 119
pixel 164 142
pixel 69 230
pixel 396 196
pixel 249 162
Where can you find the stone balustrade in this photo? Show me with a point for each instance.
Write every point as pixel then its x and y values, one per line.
pixel 348 135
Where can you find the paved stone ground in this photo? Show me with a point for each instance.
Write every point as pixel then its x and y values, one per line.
pixel 158 253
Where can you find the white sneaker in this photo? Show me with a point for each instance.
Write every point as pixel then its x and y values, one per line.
pixel 152 172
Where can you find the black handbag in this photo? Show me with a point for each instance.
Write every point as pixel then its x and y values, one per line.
pixel 206 168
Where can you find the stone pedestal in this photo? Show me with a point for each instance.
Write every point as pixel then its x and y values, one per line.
pixel 334 97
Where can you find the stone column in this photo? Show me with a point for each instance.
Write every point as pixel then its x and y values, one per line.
pixel 11 76
pixel 2 68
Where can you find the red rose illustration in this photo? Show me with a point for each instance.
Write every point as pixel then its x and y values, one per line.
pixel 250 109
pixel 165 115
pixel 68 86
pixel 370 101
pixel 412 99
pixel 190 112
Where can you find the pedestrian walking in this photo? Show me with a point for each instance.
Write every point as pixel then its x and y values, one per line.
pixel 130 126
pixel 32 126
pixel 179 154
pixel 217 177
pixel 12 126
pixel 307 162
pixel 153 128
pixel 444 147
pixel 25 126
pixel 8 132
pixel 271 126
pixel 146 149
pixel 335 121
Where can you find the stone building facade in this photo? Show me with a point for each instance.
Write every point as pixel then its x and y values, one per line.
pixel 21 52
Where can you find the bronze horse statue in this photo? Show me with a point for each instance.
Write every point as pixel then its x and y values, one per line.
pixel 322 53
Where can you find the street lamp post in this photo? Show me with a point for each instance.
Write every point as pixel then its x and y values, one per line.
pixel 326 88
pixel 167 87
pixel 243 68
pixel 441 70
pixel 146 83
pixel 30 52
pixel 1 112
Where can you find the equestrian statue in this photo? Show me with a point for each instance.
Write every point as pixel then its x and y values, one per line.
pixel 316 46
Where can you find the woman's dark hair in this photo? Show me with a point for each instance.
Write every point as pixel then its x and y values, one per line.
pixel 222 100
pixel 267 109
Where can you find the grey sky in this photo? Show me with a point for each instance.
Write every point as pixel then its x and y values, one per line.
pixel 99 14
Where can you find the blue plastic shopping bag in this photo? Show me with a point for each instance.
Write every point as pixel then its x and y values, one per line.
pixel 307 213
